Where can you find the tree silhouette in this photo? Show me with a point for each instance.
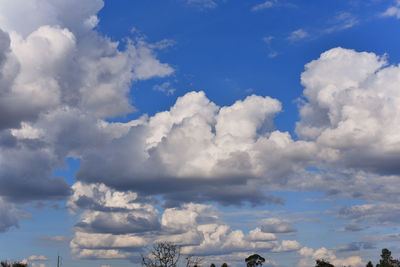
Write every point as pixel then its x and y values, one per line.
pixel 224 264
pixel 14 264
pixel 254 260
pixel 323 263
pixel 369 264
pixel 212 265
pixel 386 258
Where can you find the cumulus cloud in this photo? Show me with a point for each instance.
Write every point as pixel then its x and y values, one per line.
pixel 309 256
pixel 109 211
pixel 200 151
pixel 196 147
pixel 55 99
pixel 195 227
pixel 351 108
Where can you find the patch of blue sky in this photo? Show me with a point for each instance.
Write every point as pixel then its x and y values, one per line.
pixel 69 170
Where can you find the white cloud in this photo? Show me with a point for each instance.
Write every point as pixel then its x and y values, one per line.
pixel 37 258
pixel 202 4
pixel 287 245
pixel 197 141
pixel 165 87
pixel 258 235
pixel 343 21
pixel 393 11
pixel 195 227
pixel 74 78
pixel 309 256
pixel 266 4
pixel 271 4
pixel 351 109
pixel 297 35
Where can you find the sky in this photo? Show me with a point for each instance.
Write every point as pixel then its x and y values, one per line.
pixel 226 127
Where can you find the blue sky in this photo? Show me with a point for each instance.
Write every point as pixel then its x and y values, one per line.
pixel 227 127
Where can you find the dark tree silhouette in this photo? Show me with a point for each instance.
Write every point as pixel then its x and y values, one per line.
pixel 14 264
pixel 386 259
pixel 212 265
pixel 369 264
pixel 323 263
pixel 254 260
pixel 224 264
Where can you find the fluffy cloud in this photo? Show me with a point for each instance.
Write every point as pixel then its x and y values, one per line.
pixel 109 211
pixel 351 109
pixel 197 148
pixel 309 256
pixel 195 227
pixel 53 100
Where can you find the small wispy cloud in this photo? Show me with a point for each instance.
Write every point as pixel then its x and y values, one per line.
pixel 342 21
pixel 272 53
pixel 297 35
pixel 38 258
pixel 165 87
pixel 393 11
pixel 270 4
pixel 266 4
pixel 202 4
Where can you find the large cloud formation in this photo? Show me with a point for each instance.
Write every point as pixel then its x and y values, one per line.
pixel 118 224
pixel 200 151
pixel 60 80
pixel 57 72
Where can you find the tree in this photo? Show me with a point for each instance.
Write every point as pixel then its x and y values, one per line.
pixel 163 254
pixel 224 264
pixel 193 261
pixel 254 260
pixel 212 265
pixel 386 258
pixel 323 263
pixel 14 264
pixel 369 264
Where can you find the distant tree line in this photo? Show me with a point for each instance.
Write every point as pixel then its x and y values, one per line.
pixel 167 254
pixel 14 264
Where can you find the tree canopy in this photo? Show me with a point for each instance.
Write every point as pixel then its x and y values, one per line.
pixel 254 260
pixel 323 263
pixel 386 259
